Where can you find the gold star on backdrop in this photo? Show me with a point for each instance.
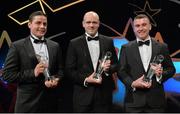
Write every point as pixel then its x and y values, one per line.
pixel 150 12
pixel 39 5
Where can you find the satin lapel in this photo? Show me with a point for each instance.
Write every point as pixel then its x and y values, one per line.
pixel 136 54
pixel 50 53
pixel 155 49
pixel 86 52
pixel 101 46
pixel 30 50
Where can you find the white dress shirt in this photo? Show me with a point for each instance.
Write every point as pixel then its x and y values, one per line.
pixel 94 50
pixel 40 48
pixel 146 53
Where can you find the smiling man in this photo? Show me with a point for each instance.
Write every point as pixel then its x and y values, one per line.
pixel 82 62
pixel 135 57
pixel 37 82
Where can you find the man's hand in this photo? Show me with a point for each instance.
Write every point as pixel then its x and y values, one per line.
pixel 52 83
pixel 106 65
pixel 90 79
pixel 39 69
pixel 158 70
pixel 140 83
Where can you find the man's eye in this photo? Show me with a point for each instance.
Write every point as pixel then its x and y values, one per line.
pixel 136 25
pixel 94 22
pixel 91 22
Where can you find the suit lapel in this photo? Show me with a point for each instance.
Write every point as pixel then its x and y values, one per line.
pixel 50 52
pixel 136 54
pixel 30 50
pixel 101 46
pixel 86 51
pixel 31 53
pixel 155 49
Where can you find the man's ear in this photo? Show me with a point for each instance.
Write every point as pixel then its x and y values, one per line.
pixel 28 24
pixel 150 27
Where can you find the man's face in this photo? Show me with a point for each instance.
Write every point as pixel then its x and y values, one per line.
pixel 141 28
pixel 91 24
pixel 38 26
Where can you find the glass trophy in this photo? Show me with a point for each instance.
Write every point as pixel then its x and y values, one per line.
pixel 157 60
pixel 43 59
pixel 99 70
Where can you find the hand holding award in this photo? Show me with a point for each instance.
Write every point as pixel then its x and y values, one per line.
pixel 157 60
pixel 43 59
pixel 99 70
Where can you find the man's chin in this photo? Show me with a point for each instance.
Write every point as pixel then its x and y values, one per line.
pixel 142 37
pixel 40 35
pixel 92 33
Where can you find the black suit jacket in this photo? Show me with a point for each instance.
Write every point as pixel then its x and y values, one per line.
pixel 132 68
pixel 79 66
pixel 32 95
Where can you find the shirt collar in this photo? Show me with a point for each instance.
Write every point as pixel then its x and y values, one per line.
pixel 87 35
pixel 138 39
pixel 36 37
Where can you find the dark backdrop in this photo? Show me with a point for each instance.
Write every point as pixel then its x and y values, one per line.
pixel 67 23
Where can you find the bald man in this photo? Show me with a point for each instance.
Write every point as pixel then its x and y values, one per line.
pixel 83 58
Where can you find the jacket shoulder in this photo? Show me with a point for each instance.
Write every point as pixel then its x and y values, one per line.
pixel 105 37
pixel 129 44
pixel 52 42
pixel 77 40
pixel 20 42
pixel 162 44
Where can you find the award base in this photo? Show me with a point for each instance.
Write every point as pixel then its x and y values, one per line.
pixel 146 79
pixel 97 76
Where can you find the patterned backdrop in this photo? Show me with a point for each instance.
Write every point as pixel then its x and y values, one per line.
pixel 65 16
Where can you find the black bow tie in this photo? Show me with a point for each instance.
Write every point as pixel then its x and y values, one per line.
pixel 140 43
pixel 38 41
pixel 95 38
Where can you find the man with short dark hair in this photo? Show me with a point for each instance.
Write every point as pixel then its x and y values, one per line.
pixel 35 64
pixel 144 94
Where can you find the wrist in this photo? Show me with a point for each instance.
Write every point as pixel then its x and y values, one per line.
pixel 133 87
pixel 85 82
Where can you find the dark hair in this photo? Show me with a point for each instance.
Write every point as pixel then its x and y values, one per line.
pixel 140 16
pixel 36 13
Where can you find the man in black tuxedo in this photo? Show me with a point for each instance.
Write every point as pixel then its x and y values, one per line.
pixel 37 80
pixel 83 55
pixel 135 59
